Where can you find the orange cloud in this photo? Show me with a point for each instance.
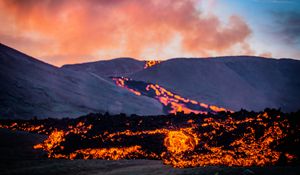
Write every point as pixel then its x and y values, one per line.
pixel 69 31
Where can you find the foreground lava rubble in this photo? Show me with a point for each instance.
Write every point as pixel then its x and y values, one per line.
pixel 183 140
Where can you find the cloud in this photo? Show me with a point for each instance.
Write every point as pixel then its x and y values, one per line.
pixel 288 24
pixel 110 28
pixel 276 1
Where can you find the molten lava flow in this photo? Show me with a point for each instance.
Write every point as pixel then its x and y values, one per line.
pixel 80 129
pixel 53 142
pixel 151 63
pixel 138 133
pixel 172 102
pixel 180 141
pixel 26 127
pixel 121 82
pixel 230 139
pixel 108 153
pixel 244 151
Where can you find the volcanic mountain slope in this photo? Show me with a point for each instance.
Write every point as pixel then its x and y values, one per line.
pixel 252 83
pixel 32 88
pixel 116 67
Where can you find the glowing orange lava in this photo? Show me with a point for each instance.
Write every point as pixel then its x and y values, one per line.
pixel 196 141
pixel 180 141
pixel 151 63
pixel 175 102
pixel 108 153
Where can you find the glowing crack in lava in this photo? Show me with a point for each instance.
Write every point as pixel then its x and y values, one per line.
pixel 108 153
pixel 151 63
pixel 172 102
pixel 231 139
pixel 54 140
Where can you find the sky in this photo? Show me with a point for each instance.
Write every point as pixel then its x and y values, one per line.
pixel 74 31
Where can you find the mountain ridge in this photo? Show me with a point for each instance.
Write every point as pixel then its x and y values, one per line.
pixel 114 67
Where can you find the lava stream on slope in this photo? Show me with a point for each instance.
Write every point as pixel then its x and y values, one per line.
pixel 171 102
pixel 151 63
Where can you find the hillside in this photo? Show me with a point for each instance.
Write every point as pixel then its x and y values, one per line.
pixel 115 67
pixel 252 83
pixel 32 88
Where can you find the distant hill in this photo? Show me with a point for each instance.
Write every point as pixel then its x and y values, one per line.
pixel 33 88
pixel 236 82
pixel 115 67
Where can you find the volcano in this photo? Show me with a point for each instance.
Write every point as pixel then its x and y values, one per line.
pixel 34 88
pixel 181 112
